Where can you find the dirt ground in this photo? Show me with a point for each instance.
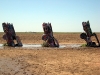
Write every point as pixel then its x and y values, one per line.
pixel 50 61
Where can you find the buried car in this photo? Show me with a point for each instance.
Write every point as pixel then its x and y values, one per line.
pixel 88 34
pixel 10 35
pixel 48 39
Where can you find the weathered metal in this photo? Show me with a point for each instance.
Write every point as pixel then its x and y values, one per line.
pixel 10 35
pixel 48 37
pixel 88 34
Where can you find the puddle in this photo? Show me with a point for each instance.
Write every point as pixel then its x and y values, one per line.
pixel 32 46
pixel 73 45
pixel 38 46
pixel 62 46
pixel 1 46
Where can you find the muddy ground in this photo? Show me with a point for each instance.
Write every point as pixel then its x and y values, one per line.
pixel 50 61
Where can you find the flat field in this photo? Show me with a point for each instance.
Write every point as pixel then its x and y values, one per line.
pixel 50 61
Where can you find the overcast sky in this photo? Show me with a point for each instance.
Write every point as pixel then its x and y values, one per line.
pixel 64 15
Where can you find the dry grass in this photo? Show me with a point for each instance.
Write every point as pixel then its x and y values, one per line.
pixel 50 61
